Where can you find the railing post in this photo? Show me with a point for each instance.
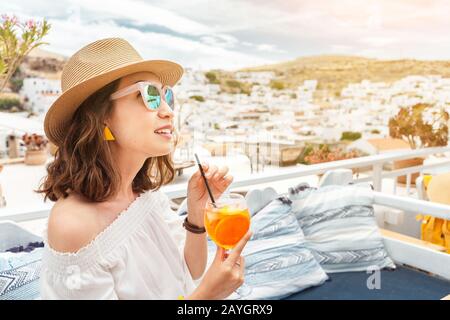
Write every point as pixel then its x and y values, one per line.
pixel 395 185
pixel 408 183
pixel 377 170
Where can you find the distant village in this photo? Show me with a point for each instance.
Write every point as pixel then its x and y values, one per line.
pixel 270 125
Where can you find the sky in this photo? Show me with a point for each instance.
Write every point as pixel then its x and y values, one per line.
pixel 232 34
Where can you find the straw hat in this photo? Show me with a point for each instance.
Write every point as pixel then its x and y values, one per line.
pixel 93 67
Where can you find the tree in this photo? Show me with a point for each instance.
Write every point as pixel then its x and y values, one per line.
pixel 17 39
pixel 9 103
pixel 350 135
pixel 235 87
pixel 212 77
pixel 277 85
pixel 197 98
pixel 16 80
pixel 233 83
pixel 326 154
pixel 420 126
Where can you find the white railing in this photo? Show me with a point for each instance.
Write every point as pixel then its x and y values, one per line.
pixel 376 162
pixel 376 176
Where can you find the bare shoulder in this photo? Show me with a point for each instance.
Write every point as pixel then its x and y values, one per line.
pixel 71 224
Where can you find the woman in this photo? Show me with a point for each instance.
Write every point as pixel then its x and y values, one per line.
pixel 111 233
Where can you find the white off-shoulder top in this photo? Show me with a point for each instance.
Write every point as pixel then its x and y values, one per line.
pixel 140 255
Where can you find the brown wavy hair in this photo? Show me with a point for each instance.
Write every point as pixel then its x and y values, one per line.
pixel 84 163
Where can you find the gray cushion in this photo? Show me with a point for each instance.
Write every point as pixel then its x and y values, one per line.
pixel 340 227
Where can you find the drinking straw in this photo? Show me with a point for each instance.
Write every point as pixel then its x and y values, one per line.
pixel 204 179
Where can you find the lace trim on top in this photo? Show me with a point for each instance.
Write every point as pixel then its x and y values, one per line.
pixel 107 240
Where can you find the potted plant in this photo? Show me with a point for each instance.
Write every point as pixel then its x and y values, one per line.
pixel 421 126
pixel 36 145
pixel 326 154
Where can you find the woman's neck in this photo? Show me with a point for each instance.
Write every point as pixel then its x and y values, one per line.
pixel 128 164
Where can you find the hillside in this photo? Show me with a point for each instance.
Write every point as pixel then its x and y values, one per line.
pixel 39 63
pixel 335 72
pixel 42 63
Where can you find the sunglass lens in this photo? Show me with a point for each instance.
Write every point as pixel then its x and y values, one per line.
pixel 152 98
pixel 169 97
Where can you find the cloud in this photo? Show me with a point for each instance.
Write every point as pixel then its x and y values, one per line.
pixel 144 13
pixel 268 48
pixel 153 45
pixel 238 33
pixel 186 44
pixel 220 40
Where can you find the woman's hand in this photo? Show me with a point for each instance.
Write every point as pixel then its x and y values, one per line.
pixel 197 194
pixel 225 274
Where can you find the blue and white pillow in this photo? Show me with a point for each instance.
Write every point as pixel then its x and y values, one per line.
pixel 277 261
pixel 340 228
pixel 19 275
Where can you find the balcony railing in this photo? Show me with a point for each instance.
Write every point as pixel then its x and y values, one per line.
pixel 375 175
pixel 376 162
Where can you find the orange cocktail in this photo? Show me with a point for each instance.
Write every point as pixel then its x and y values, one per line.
pixel 228 221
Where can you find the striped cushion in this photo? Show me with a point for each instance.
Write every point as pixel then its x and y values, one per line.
pixel 20 281
pixel 340 228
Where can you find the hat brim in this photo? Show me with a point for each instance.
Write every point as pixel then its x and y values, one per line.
pixel 61 111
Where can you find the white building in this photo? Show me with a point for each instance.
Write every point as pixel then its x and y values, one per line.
pixel 39 94
pixel 261 77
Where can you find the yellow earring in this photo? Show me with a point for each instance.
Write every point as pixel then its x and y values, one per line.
pixel 107 134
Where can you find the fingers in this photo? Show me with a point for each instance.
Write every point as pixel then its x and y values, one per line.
pixel 241 265
pixel 227 180
pixel 220 254
pixel 220 179
pixel 217 178
pixel 211 171
pixel 220 173
pixel 215 173
pixel 205 167
pixel 236 253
